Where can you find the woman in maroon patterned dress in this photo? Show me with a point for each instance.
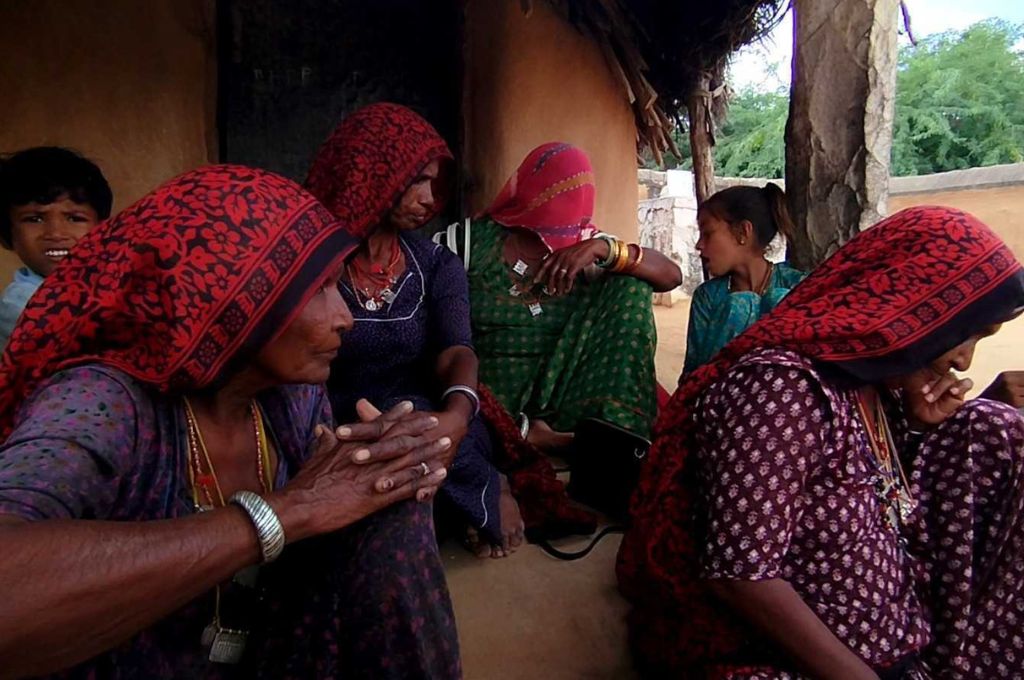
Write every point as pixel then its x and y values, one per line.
pixel 166 433
pixel 821 500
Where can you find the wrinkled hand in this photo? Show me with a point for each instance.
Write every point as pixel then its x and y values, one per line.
pixel 360 469
pixel 1008 387
pixel 560 269
pixel 374 425
pixel 930 398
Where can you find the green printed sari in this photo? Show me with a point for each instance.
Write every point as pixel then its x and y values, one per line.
pixel 587 354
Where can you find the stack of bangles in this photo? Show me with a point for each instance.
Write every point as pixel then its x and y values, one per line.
pixel 622 257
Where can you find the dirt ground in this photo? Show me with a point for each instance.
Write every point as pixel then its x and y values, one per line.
pixel 531 616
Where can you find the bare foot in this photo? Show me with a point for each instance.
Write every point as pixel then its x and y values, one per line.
pixel 475 544
pixel 513 529
pixel 546 439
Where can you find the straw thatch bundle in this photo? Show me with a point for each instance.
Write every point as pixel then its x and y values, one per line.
pixel 660 48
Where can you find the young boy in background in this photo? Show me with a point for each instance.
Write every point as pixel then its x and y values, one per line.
pixel 50 197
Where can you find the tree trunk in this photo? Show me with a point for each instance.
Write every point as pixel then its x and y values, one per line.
pixel 839 133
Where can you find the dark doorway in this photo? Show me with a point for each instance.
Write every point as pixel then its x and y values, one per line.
pixel 290 70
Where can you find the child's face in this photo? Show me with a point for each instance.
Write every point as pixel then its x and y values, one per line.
pixel 42 234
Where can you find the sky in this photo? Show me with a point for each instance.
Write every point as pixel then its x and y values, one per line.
pixel 766 64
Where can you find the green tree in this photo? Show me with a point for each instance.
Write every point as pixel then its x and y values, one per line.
pixel 750 141
pixel 959 104
pixel 960 100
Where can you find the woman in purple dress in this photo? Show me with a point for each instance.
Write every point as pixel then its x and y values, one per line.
pixel 384 173
pixel 166 439
pixel 821 501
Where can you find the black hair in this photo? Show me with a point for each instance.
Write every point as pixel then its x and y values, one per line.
pixel 764 207
pixel 43 174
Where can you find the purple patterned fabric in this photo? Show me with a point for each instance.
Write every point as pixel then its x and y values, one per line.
pixel 390 355
pixel 969 537
pixel 93 443
pixel 788 491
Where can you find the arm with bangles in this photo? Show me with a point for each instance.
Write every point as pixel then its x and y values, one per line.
pixel 456 371
pixel 450 335
pixel 612 256
pixel 125 576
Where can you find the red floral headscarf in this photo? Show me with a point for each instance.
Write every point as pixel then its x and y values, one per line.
pixel 891 300
pixel 551 193
pixel 206 269
pixel 369 160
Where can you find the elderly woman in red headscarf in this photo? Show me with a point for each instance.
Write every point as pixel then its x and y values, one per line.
pixel 167 438
pixel 385 172
pixel 562 315
pixel 820 500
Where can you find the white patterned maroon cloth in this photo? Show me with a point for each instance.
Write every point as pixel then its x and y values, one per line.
pixel 788 482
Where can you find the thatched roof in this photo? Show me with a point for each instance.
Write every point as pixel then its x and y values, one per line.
pixel 661 47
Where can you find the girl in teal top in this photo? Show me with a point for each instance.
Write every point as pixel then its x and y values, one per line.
pixel 736 225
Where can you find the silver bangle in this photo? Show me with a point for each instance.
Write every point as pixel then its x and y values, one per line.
pixel 466 390
pixel 611 241
pixel 268 527
pixel 524 426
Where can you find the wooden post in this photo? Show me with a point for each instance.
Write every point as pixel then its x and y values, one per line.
pixel 702 139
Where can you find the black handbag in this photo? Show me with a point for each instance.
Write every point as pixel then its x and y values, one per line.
pixel 605 462
pixel 604 467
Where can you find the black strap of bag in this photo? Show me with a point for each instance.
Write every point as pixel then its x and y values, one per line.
pixel 565 556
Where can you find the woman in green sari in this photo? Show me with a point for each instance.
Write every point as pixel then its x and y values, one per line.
pixel 562 318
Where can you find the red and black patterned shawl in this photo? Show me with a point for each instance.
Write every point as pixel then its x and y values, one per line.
pixel 201 272
pixel 369 160
pixel 891 300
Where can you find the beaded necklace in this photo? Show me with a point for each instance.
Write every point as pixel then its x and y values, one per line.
pixel 373 282
pixel 226 645
pixel 891 486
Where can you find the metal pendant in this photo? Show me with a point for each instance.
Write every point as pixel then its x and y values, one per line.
pixel 228 646
pixel 387 296
pixel 520 267
pixel 907 505
pixel 209 633
pixel 892 518
pixel 371 305
pixel 536 309
pixel 514 291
